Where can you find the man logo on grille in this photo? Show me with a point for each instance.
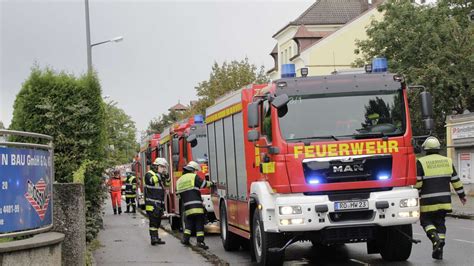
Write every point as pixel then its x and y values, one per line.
pixel 348 168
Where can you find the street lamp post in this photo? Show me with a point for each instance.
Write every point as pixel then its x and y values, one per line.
pixel 88 39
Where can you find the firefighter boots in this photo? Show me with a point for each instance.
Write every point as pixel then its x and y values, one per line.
pixel 134 209
pixel 185 241
pixel 119 210
pixel 115 211
pixel 438 245
pixel 202 245
pixel 128 209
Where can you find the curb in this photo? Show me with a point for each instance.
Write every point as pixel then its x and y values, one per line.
pixel 460 216
pixel 212 258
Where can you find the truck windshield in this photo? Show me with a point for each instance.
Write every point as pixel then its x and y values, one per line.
pixel 344 115
pixel 200 150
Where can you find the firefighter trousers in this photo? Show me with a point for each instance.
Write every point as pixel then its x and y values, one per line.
pixel 116 199
pixel 154 218
pixel 434 224
pixel 130 200
pixel 194 222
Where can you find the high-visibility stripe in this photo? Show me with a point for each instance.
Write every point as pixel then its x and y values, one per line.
pixel 181 191
pixel 419 184
pixel 165 139
pixel 203 184
pixel 192 202
pixel 454 178
pixel 419 178
pixel 429 228
pixel 436 207
pixel 154 187
pixel 194 211
pixel 432 195
pixel 187 231
pixel 130 196
pixel 154 200
pixel 460 191
pixel 457 184
pixel 442 236
pixel 200 233
pixel 153 229
pixel 149 208
pixel 224 113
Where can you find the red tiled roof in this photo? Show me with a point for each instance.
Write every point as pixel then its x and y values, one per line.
pixel 179 107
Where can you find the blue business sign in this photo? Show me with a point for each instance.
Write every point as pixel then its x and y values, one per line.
pixel 25 189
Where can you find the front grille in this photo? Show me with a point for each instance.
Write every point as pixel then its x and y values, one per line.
pixel 362 168
pixel 345 216
pixel 339 195
pixel 348 234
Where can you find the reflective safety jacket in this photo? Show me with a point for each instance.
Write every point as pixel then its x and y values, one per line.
pixel 130 186
pixel 115 184
pixel 434 173
pixel 155 191
pixel 187 187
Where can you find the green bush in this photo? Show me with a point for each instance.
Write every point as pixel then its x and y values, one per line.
pixel 72 111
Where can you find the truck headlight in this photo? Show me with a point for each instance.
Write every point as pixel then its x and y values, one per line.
pixel 287 210
pixel 404 203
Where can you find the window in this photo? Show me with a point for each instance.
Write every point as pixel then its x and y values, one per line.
pixel 267 120
pixel 230 157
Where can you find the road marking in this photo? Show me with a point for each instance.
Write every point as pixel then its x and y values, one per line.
pixel 358 261
pixel 460 240
pixel 418 234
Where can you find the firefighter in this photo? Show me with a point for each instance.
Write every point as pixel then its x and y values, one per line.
pixel 115 189
pixel 155 181
pixel 187 188
pixel 434 173
pixel 130 192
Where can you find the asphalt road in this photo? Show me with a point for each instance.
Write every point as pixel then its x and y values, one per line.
pixel 459 250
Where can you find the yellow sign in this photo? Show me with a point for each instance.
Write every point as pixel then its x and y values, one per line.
pixel 165 139
pixel 268 168
pixel 346 149
pixel 224 113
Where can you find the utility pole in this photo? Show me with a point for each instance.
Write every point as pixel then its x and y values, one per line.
pixel 88 37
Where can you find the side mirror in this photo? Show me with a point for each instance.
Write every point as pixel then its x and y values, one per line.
pixel 253 135
pixel 175 147
pixel 192 139
pixel 427 110
pixel 280 101
pixel 252 114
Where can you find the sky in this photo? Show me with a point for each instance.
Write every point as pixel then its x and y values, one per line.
pixel 168 47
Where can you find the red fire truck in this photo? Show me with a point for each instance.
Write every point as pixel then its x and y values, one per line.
pixel 181 143
pixel 327 159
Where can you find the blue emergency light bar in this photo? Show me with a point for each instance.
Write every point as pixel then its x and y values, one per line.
pixel 379 65
pixel 198 119
pixel 288 71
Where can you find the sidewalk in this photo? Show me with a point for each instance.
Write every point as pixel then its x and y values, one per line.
pixel 125 241
pixel 460 211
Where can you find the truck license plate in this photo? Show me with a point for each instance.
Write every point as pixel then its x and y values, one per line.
pixel 351 205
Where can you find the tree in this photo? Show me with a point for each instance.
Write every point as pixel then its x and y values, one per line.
pixel 223 79
pixel 431 46
pixel 157 125
pixel 121 138
pixel 72 111
pixel 1 125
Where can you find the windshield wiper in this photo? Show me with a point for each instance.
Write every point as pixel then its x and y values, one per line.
pixel 316 137
pixel 370 135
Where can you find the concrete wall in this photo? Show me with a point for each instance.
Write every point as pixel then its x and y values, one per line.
pixel 42 249
pixel 70 219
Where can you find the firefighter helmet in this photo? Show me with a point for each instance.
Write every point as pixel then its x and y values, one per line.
pixel 431 143
pixel 160 161
pixel 193 166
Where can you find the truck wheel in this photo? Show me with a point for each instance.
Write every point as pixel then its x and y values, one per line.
pixel 175 223
pixel 230 241
pixel 263 241
pixel 393 245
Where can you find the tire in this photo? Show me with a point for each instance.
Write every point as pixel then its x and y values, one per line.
pixel 175 223
pixel 230 241
pixel 394 246
pixel 263 241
